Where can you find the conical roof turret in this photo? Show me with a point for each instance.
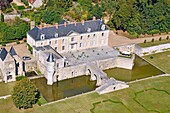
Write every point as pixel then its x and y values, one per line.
pixel 51 58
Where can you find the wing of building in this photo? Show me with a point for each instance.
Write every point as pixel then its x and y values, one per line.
pixel 67 37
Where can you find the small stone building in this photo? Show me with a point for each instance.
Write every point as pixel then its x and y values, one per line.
pixel 10 64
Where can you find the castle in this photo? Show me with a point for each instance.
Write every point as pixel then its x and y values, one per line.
pixel 69 50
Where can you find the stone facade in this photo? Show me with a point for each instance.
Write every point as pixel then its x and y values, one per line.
pixel 10 64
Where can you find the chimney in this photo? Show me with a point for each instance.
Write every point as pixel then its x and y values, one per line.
pixel 65 24
pixel 56 25
pixel 94 18
pixel 40 26
pixel 82 22
pixel 32 24
pixel 75 23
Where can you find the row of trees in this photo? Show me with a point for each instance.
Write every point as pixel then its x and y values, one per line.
pixel 17 30
pixel 142 16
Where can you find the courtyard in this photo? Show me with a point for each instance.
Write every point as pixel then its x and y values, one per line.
pixel 89 55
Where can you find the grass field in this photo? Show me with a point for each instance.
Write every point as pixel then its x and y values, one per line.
pixel 125 100
pixel 156 42
pixel 6 89
pixel 161 60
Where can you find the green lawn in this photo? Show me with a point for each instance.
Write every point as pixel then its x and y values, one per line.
pixel 6 88
pixel 156 42
pixel 150 100
pixel 161 60
pixel 125 98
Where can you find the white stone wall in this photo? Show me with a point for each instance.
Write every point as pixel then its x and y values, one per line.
pixel 126 63
pixel 30 41
pixel 151 50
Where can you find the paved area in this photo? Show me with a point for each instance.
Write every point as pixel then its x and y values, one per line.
pixel 88 55
pixel 18 2
pixel 117 40
pixel 21 50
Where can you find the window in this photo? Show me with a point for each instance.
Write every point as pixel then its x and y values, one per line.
pixel 55 41
pixel 102 34
pixel 56 48
pixel 72 46
pixel 49 42
pixel 88 36
pixel 42 37
pixel 56 35
pixel 57 64
pixel 81 37
pixel 63 40
pixel 41 43
pixel 72 39
pixel 80 44
pixel 63 47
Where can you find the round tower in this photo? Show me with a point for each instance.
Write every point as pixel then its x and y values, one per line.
pixel 50 65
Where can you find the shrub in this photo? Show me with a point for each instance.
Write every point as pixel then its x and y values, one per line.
pixel 25 94
pixel 20 78
pixel 144 41
pixel 17 42
pixel 160 38
pixel 152 40
pixel 167 37
pixel 30 48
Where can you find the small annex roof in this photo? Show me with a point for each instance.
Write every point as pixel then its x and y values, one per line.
pixel 3 54
pixel 12 51
pixel 62 30
pixel 31 1
pixel 50 58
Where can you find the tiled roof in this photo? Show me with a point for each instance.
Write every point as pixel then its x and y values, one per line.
pixel 12 51
pixel 50 32
pixel 3 54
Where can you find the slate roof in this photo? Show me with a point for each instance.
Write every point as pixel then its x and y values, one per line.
pixel 50 32
pixel 50 58
pixel 12 51
pixel 3 54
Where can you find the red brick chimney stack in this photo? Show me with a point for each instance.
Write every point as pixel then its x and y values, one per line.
pixel 75 23
pixel 94 18
pixel 56 25
pixel 65 24
pixel 82 22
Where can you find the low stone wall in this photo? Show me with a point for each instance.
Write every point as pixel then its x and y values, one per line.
pixel 126 63
pixel 71 72
pixel 151 50
pixel 11 16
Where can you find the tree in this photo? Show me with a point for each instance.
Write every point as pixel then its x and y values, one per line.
pixel 25 94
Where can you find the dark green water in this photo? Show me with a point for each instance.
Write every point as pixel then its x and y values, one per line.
pixel 141 69
pixel 65 88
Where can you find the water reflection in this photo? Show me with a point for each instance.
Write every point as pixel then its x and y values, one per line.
pixel 141 69
pixel 65 88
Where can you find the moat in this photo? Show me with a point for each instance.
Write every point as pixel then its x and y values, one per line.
pixel 141 69
pixel 65 88
pixel 82 84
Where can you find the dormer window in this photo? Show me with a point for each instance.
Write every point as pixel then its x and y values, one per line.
pixel 88 29
pixel 42 37
pixel 56 35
